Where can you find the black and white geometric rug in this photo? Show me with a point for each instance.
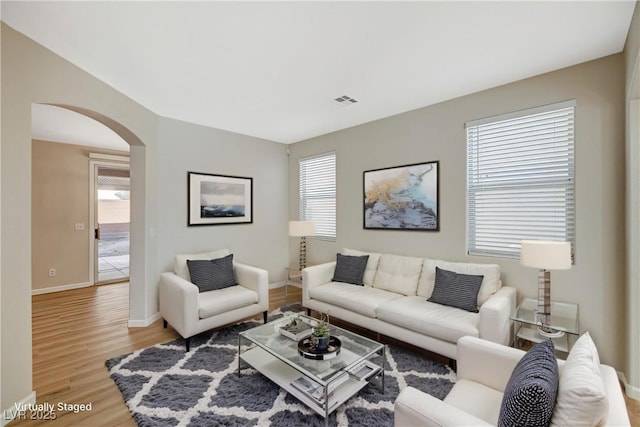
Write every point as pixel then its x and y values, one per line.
pixel 164 386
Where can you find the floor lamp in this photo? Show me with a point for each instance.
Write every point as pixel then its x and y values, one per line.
pixel 545 256
pixel 302 229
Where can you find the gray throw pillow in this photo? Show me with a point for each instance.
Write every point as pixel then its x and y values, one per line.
pixel 456 290
pixel 209 275
pixel 530 394
pixel 350 269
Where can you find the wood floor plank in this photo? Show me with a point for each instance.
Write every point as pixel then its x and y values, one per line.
pixel 76 331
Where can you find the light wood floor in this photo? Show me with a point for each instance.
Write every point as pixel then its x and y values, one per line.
pixel 75 331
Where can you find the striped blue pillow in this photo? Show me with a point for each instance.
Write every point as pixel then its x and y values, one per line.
pixel 456 290
pixel 530 394
pixel 209 275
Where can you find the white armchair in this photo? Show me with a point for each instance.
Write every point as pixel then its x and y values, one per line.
pixel 484 368
pixel 190 312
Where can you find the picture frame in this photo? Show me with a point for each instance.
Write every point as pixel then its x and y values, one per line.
pixel 219 199
pixel 402 197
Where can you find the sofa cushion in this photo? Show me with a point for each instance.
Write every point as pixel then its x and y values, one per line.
pixel 350 269
pixel 224 300
pixel 435 320
pixel 476 399
pixel 398 274
pixel 372 264
pixel 582 398
pixel 209 275
pixel 490 284
pixel 180 264
pixel 531 391
pixel 456 290
pixel 359 299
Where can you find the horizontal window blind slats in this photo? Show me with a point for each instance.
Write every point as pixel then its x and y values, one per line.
pixel 318 193
pixel 520 180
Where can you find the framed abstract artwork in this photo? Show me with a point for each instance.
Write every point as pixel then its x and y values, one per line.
pixel 219 199
pixel 402 197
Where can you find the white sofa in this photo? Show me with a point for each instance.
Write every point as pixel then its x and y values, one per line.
pixel 191 312
pixel 393 301
pixel 484 369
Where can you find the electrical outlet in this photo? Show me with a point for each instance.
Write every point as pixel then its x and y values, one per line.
pixel 79 226
pixel 52 272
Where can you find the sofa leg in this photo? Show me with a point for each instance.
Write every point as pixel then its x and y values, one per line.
pixel 164 323
pixel 264 316
pixel 309 312
pixel 187 342
pixel 453 364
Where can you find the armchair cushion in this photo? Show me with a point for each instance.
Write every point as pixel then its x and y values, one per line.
pixel 209 275
pixel 456 290
pixel 531 391
pixel 180 265
pixel 582 399
pixel 350 269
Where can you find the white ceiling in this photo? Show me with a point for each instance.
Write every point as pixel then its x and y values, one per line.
pixel 272 69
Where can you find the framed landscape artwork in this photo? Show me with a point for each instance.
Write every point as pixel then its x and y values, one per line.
pixel 219 199
pixel 402 198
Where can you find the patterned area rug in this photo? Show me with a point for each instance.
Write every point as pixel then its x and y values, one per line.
pixel 164 386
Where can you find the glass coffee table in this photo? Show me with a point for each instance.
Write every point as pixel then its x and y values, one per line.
pixel 322 385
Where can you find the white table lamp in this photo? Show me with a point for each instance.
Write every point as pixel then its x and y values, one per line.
pixel 302 229
pixel 545 256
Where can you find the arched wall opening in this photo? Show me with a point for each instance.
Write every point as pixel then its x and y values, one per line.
pixel 138 270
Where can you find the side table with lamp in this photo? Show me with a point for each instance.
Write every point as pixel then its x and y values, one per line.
pixel 300 229
pixel 537 320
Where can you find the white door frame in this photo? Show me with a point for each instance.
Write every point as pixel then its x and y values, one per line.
pixel 98 161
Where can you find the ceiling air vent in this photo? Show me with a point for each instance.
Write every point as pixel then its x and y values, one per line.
pixel 345 100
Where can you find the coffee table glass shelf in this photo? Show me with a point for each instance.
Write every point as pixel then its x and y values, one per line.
pixel 564 320
pixel 327 384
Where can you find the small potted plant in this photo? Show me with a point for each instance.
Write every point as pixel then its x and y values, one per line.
pixel 320 336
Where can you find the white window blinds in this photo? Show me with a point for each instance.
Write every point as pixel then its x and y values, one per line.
pixel 520 180
pixel 318 193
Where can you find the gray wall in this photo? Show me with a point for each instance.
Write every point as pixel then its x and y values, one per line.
pixel 32 74
pixel 163 151
pixel 437 132
pixel 186 147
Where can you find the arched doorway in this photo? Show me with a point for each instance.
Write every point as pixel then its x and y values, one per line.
pixel 137 152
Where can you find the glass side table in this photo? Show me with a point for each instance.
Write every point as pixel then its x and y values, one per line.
pixel 294 278
pixel 564 318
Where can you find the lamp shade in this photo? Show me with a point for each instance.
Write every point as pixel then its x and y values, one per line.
pixel 302 228
pixel 546 255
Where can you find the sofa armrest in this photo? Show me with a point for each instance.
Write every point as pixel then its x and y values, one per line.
pixel 495 316
pixel 256 279
pixel 314 276
pixel 617 415
pixel 486 362
pixel 415 408
pixel 178 303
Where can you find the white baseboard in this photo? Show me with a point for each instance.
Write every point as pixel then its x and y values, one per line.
pixel 276 285
pixel 629 390
pixel 632 392
pixel 10 413
pixel 143 323
pixel 60 288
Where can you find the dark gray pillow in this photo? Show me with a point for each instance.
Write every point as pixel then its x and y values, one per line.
pixel 209 275
pixel 456 290
pixel 350 269
pixel 530 394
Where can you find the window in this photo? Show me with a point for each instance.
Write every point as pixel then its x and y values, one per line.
pixel 318 193
pixel 520 180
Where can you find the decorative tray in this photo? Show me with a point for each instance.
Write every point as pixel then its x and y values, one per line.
pixel 308 350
